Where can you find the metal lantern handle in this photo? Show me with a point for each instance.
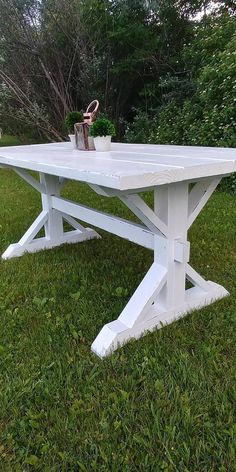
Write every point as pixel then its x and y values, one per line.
pixel 91 112
pixel 95 110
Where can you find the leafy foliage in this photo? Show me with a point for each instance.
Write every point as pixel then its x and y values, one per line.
pixel 102 127
pixel 8 140
pixel 113 50
pixel 72 118
pixel 160 74
pixel 208 117
pixel 140 129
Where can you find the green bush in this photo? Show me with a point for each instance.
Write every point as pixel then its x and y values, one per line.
pixel 140 130
pixel 72 118
pixel 8 140
pixel 102 127
pixel 228 184
pixel 208 118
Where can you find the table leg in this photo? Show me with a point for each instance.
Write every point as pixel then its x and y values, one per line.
pixel 51 221
pixel 162 296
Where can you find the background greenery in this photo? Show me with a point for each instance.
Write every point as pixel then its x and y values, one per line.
pixel 163 71
pixel 166 402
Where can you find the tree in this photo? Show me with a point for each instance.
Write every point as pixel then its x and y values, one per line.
pixel 42 56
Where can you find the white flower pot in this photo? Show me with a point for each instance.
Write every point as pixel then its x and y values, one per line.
pixel 102 143
pixel 72 139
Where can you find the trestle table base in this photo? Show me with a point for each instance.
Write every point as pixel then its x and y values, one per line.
pixel 116 333
pixel 161 297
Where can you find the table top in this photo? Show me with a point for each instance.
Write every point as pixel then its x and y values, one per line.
pixel 126 166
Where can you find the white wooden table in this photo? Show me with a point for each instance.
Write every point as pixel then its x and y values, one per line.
pixel 124 172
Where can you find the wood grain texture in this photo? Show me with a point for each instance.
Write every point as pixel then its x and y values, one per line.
pixel 126 166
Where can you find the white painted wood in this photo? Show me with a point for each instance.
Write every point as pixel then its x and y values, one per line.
pixel 126 229
pixel 115 334
pixel 126 166
pixel 144 296
pixel 161 297
pixel 108 192
pixel 62 182
pixel 196 193
pixel 181 251
pixel 75 224
pixel 196 279
pixel 144 213
pixel 199 196
pixel 173 200
pixel 34 228
pixel 40 244
pixel 30 180
pixel 138 206
pixel 54 223
pixel 124 171
pixel 103 191
pixel 52 220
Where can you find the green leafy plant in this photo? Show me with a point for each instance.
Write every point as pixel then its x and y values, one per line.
pixel 102 127
pixel 71 118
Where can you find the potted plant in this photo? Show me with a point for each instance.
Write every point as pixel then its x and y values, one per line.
pixel 71 118
pixel 102 131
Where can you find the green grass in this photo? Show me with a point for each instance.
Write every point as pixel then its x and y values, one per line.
pixel 163 403
pixel 9 140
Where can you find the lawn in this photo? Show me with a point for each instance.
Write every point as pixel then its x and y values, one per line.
pixel 9 140
pixel 163 403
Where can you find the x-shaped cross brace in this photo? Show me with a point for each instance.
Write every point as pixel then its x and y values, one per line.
pixel 161 297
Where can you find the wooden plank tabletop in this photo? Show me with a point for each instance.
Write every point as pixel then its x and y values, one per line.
pixel 126 166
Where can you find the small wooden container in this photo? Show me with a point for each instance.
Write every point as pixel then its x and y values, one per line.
pixel 83 141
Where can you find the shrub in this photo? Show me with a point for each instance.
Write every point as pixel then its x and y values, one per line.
pixel 140 130
pixel 72 118
pixel 102 127
pixel 187 125
pixel 208 118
